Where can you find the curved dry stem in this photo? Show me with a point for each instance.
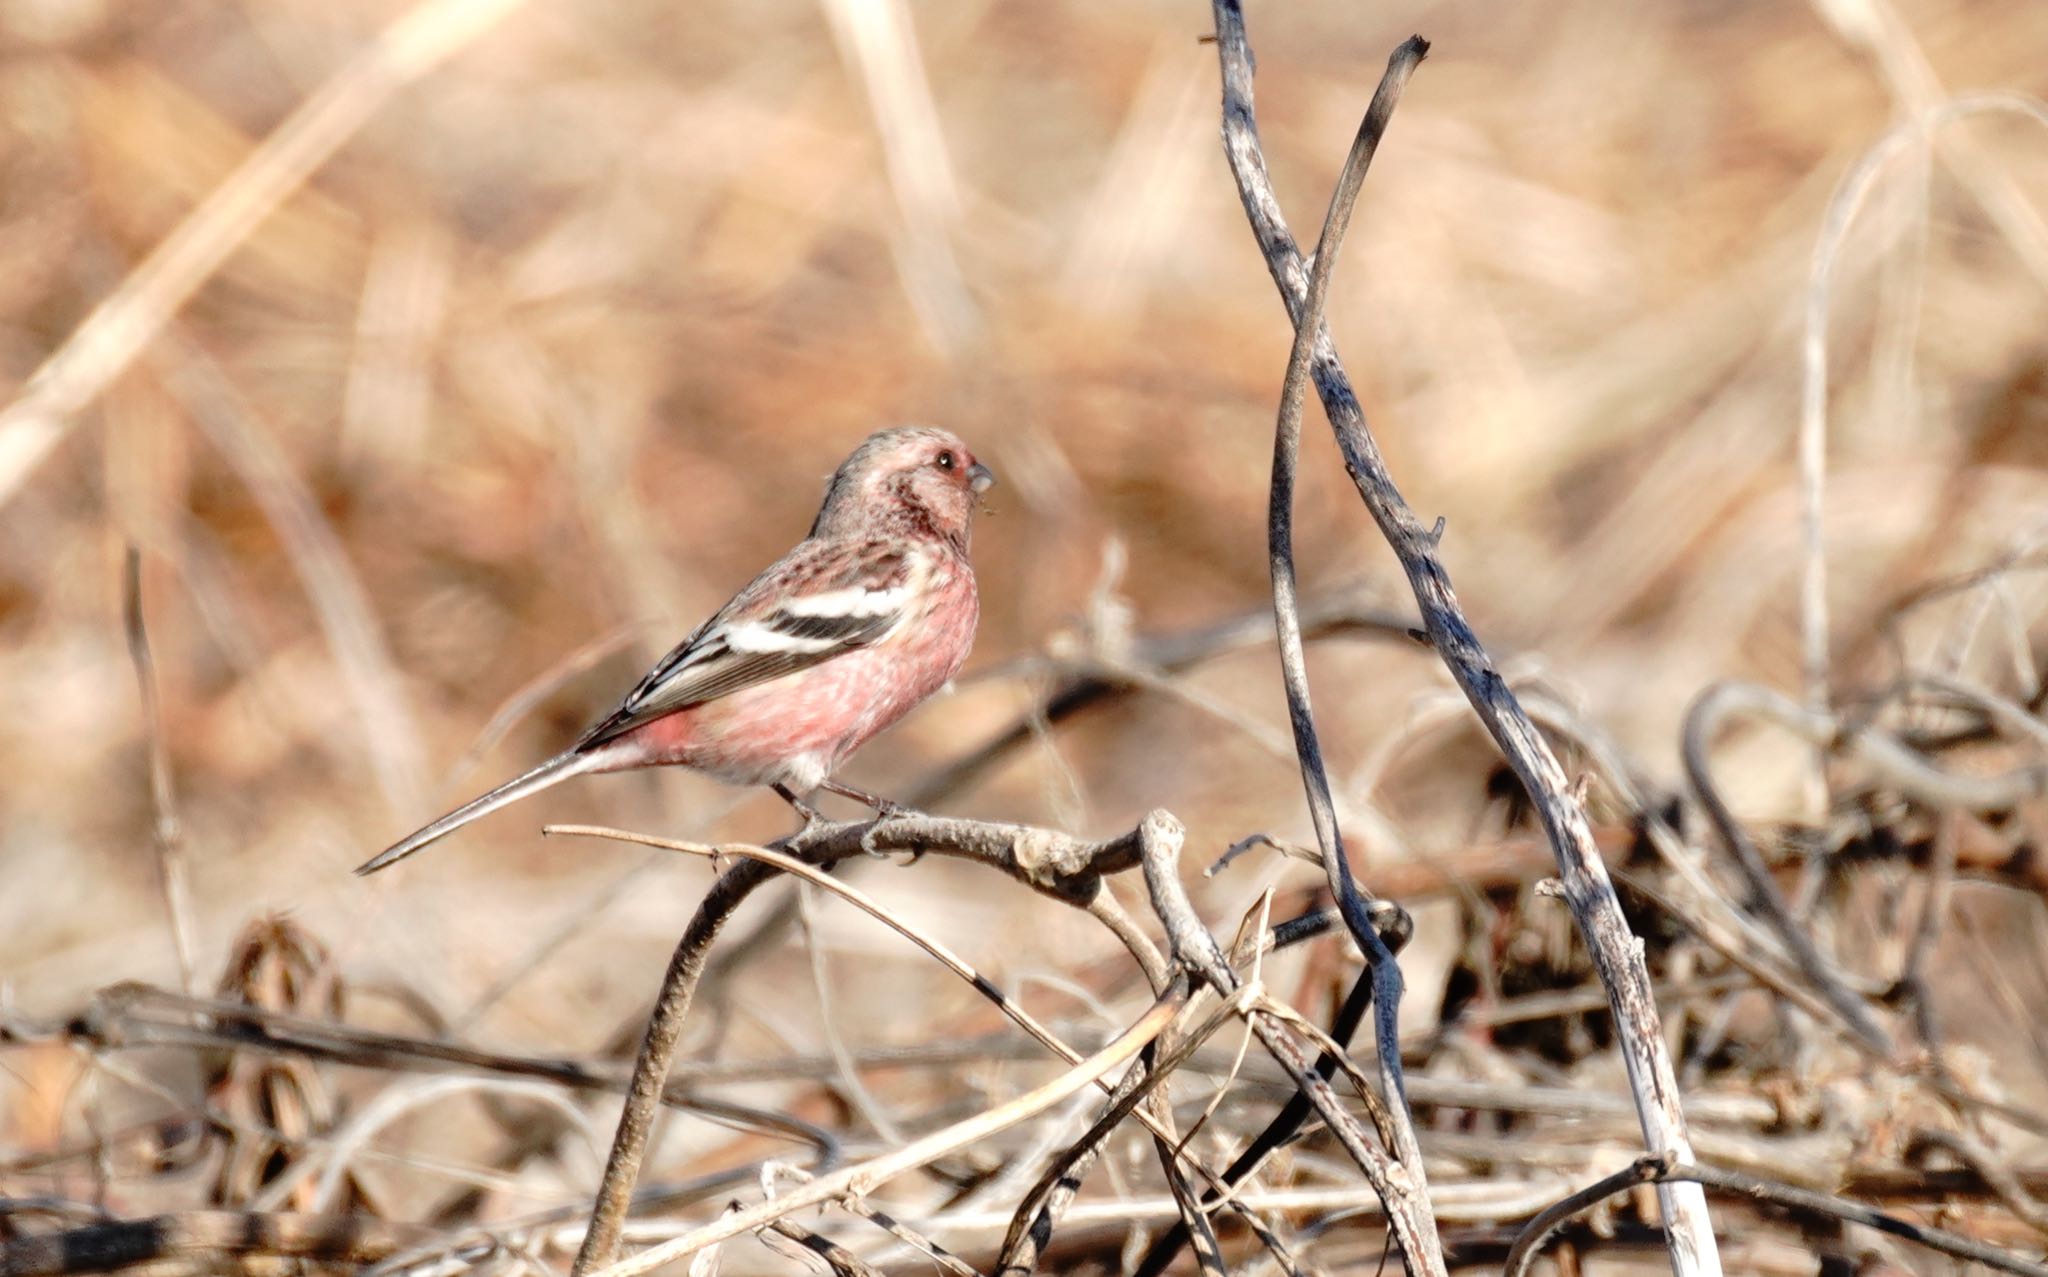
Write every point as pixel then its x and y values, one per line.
pixel 1537 1232
pixel 1708 712
pixel 1663 1168
pixel 1896 763
pixel 1843 206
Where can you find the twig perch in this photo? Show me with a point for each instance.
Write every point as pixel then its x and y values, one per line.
pixel 1616 953
pixel 1058 865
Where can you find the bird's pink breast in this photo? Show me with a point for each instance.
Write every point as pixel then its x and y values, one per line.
pixel 797 729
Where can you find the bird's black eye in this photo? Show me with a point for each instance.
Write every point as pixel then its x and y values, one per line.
pixel 947 461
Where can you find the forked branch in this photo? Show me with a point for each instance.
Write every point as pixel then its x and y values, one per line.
pixel 1056 864
pixel 1587 889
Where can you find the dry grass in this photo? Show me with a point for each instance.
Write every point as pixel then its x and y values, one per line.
pixel 560 343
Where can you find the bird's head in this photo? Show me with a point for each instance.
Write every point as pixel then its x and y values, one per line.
pixel 916 473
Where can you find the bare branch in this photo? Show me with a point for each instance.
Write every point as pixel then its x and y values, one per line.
pixel 1615 952
pixel 1351 904
pixel 1890 759
pixel 1059 865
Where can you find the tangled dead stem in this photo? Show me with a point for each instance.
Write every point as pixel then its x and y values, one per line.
pixel 1620 1022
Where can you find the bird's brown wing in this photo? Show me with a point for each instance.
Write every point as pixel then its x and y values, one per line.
pixel 820 601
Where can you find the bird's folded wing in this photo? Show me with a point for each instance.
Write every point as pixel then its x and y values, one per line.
pixel 820 602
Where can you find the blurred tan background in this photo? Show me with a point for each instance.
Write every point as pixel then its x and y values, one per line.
pixel 558 350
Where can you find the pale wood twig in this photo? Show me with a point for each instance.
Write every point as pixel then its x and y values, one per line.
pixel 1040 1208
pixel 863 1177
pixel 163 799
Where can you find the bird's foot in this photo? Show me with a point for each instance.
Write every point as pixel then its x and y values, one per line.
pixel 880 825
pixel 809 814
pixel 885 810
pixel 883 807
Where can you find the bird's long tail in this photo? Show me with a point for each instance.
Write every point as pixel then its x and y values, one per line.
pixel 552 772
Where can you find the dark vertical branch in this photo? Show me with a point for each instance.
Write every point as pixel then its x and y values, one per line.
pixel 1615 952
pixel 1386 974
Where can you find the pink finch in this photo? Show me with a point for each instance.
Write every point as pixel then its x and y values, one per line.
pixel 868 615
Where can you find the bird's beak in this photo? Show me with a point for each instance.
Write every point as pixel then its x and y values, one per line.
pixel 980 478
